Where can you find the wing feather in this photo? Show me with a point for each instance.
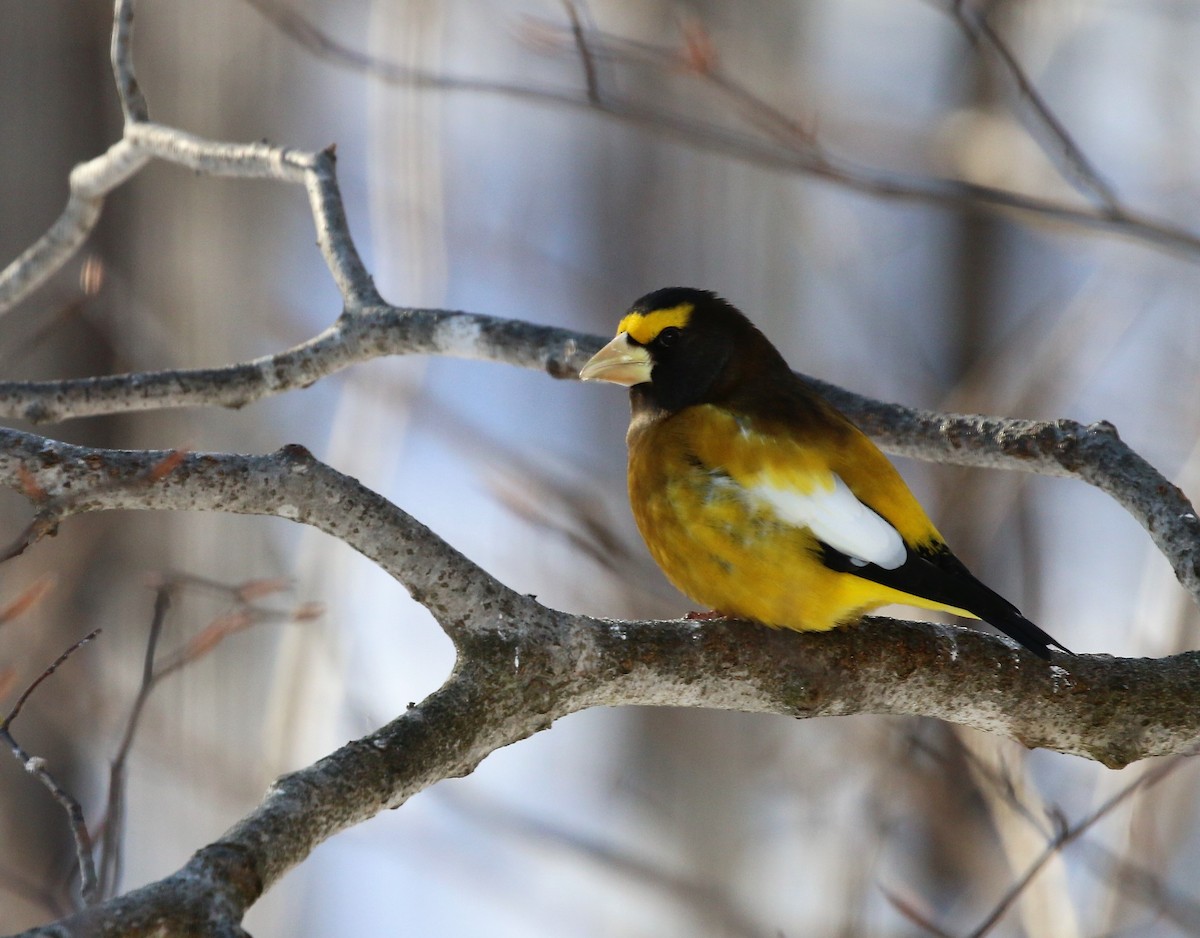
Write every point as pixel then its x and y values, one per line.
pixel 835 517
pixel 792 480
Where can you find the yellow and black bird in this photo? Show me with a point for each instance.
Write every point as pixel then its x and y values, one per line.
pixel 760 500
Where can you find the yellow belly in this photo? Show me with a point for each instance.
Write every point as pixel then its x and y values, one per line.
pixel 733 556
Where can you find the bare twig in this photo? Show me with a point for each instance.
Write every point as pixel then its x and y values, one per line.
pixel 908 908
pixel 143 141
pixel 698 57
pixel 133 103
pixel 771 153
pixel 36 766
pixel 15 711
pixel 1045 126
pixel 113 822
pixel 590 79
pixel 88 184
pixel 52 510
pixel 1068 834
pixel 377 331
pixel 44 522
pixel 112 826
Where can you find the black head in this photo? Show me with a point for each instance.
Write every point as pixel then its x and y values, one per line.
pixel 679 346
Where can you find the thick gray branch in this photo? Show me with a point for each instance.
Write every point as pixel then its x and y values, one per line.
pixel 368 333
pixel 921 669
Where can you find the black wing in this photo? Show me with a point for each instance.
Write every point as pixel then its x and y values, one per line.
pixel 940 576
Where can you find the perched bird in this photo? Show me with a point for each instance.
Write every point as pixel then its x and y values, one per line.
pixel 760 500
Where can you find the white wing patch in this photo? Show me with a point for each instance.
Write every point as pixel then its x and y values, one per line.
pixel 838 518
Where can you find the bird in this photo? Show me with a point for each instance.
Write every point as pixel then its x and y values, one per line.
pixel 759 499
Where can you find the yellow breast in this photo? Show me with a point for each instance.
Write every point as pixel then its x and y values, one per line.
pixel 729 552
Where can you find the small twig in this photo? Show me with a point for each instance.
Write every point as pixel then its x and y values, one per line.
pixel 92 181
pixel 52 510
pixel 133 102
pixel 913 914
pixel 88 183
pixel 36 766
pixel 113 823
pixel 1073 163
pixel 767 153
pixel 698 58
pixel 43 523
pixel 590 78
pixel 1068 834
pixel 246 592
pixel 25 695
pixel 111 826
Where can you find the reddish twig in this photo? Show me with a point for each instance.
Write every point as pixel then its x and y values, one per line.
pixel 29 598
pixel 910 911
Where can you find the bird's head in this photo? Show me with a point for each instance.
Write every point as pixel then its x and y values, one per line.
pixel 679 346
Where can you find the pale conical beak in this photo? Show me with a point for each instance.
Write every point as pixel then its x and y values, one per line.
pixel 620 362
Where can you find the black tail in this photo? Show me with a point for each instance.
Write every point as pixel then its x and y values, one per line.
pixel 941 577
pixel 1010 621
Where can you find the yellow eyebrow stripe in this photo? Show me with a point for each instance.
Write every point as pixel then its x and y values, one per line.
pixel 644 328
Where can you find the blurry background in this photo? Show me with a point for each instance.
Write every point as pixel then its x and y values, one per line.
pixel 629 822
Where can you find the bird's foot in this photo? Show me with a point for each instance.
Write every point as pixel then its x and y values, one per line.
pixel 705 616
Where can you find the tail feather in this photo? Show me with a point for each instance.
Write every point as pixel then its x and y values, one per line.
pixel 938 576
pixel 1009 620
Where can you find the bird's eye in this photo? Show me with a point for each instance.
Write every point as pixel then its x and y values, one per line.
pixel 668 336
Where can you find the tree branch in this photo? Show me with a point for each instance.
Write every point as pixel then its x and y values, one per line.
pixel 373 332
pixel 790 151
pixel 142 141
pixel 921 668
